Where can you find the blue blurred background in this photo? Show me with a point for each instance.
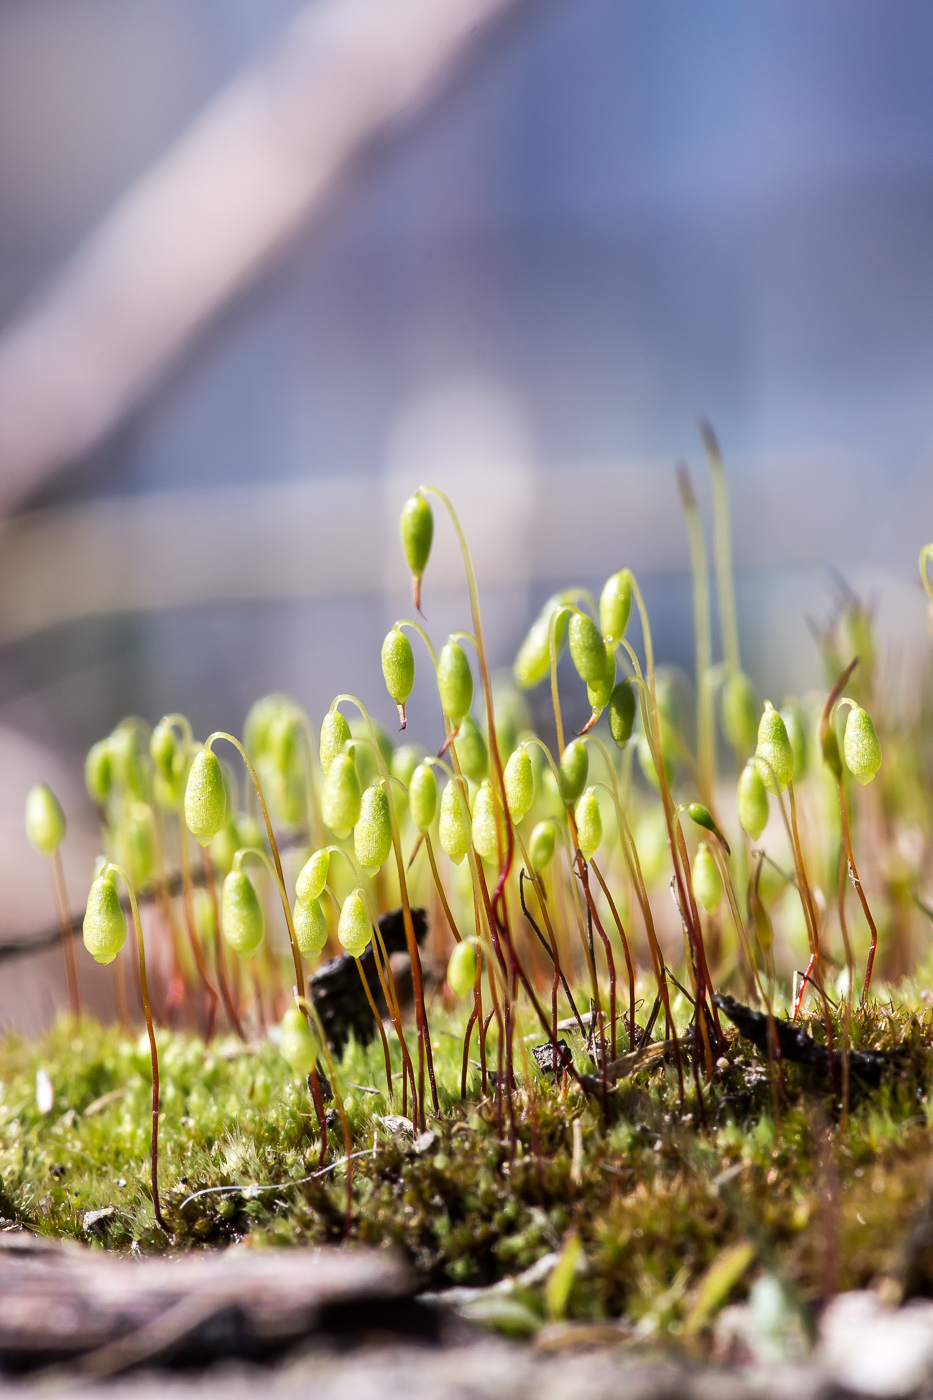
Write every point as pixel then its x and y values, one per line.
pixel 617 216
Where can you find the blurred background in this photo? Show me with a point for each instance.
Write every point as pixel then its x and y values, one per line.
pixel 265 266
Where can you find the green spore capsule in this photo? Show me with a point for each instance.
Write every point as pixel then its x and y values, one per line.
pixel 471 750
pixel 284 740
pixel 372 835
pixel 519 778
pixel 860 746
pixel 127 759
pixel 541 845
pixel 140 843
pixel 704 817
pixel 341 799
pixel 752 801
pixel 599 693
pixel 205 797
pixel 422 796
pixel 353 927
pixel 335 732
pixel 241 916
pixel 45 820
pixel 797 734
pixel 398 669
pixel 738 712
pixel 533 661
pixel 484 824
pixel 405 760
pixel 831 755
pixel 622 708
pixel 104 921
pixel 587 648
pixel 461 969
pixel 453 829
pixel 299 1044
pixel 98 772
pixel 416 528
pixel 773 753
pixel 310 927
pixel 163 748
pixel 589 823
pixel 615 606
pixel 707 882
pixel 454 681
pixel 225 845
pixel 312 877
pixel 574 766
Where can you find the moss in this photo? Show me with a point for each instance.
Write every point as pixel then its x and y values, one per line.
pixel 656 1199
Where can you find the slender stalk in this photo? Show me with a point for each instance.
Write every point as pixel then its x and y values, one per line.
pixel 440 889
pixel 153 1051
pixel 699 566
pixel 378 1019
pixel 68 937
pixel 229 1005
pixel 722 548
pixel 188 905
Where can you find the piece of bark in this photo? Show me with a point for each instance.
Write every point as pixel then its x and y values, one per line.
pixel 797 1047
pixel 337 992
pixel 105 1314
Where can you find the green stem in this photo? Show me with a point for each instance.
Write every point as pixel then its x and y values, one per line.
pixel 722 549
pixel 153 1051
pixel 699 566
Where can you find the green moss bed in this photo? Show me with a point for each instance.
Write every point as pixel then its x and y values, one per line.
pixel 674 1218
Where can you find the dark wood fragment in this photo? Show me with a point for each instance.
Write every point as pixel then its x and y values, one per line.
pixel 549 1062
pixel 337 992
pixel 797 1047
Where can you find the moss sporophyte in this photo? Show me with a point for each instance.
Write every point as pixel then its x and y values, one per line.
pixel 569 970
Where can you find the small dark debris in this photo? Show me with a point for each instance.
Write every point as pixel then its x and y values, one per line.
pixel 549 1062
pixel 94 1220
pixel 337 992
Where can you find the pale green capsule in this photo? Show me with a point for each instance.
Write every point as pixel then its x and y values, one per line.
pixel 284 740
pixel 574 766
pixel 599 693
pixel 312 877
pixel 163 749
pixel 752 801
pixel 472 752
pixel 299 1044
pixel 453 828
pixel 259 721
pixel 462 967
pixel 140 843
pixel 335 732
pixel 354 930
pixel 707 882
pixel 341 798
pixel 416 529
pixel 587 648
pixel 622 708
pixel 422 796
pixel 45 820
pixel 774 754
pixel 615 606
pixel 372 835
pixel 104 921
pixel 126 757
pixel 533 661
pixel 797 734
pixel 519 781
pixel 98 772
pixel 405 760
pixel 398 665
pixel 484 824
pixel 225 846
pixel 241 916
pixel 541 845
pixel 205 797
pixel 589 823
pixel 738 712
pixel 454 681
pixel 310 927
pixel 860 746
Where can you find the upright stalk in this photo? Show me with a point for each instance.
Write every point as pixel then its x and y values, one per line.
pixel 699 566
pixel 153 1051
pixel 68 935
pixel 722 549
